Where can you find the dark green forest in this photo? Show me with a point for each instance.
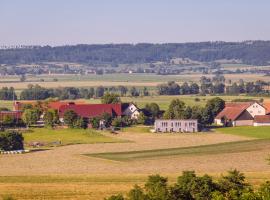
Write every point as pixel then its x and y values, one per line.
pixel 249 52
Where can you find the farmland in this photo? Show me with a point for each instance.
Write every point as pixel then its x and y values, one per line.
pixel 86 171
pixel 66 136
pixel 138 80
pixel 162 101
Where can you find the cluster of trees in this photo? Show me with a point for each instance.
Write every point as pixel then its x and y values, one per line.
pixel 11 140
pixel 247 88
pixel 114 54
pixel 7 93
pixel 205 115
pixel 172 88
pixel 36 92
pixel 189 186
pixel 215 85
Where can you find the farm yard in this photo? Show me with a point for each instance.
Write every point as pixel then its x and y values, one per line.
pixel 86 171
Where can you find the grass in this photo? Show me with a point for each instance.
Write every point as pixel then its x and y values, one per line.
pixel 6 104
pixel 221 148
pixel 66 136
pixel 261 132
pixel 136 129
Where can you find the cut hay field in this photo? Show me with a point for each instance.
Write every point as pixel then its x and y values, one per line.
pixel 82 171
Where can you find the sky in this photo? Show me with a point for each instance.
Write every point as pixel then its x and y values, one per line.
pixel 68 22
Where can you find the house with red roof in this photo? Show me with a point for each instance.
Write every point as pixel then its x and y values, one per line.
pixel 240 114
pixel 16 115
pixel 91 110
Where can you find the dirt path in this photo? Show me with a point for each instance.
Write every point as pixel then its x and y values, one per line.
pixel 70 159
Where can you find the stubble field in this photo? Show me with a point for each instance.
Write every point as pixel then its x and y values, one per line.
pixel 71 172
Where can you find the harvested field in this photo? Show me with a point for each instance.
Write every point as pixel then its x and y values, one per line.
pixel 70 159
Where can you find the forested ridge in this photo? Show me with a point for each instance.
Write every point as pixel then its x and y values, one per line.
pixel 249 52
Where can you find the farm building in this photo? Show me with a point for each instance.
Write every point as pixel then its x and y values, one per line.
pixel 240 114
pixel 130 110
pixel 16 115
pixel 262 120
pixel 190 125
pixel 91 110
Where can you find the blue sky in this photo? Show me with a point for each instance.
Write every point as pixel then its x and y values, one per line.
pixel 59 22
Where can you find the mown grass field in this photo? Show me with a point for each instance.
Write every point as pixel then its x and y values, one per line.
pixel 250 131
pixel 261 141
pixel 229 147
pixel 66 136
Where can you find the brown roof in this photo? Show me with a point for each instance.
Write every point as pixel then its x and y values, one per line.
pixel 267 106
pixel 233 110
pixel 262 119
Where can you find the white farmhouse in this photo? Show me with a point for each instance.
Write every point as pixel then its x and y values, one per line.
pixel 130 110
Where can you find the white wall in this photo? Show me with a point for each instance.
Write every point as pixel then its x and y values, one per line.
pixel 256 109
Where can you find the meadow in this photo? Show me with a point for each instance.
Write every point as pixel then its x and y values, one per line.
pixel 50 137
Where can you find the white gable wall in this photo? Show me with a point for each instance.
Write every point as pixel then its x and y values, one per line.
pixel 256 109
pixel 131 111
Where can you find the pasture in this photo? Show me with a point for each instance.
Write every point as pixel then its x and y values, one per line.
pixel 49 137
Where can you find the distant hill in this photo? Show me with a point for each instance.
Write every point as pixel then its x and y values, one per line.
pixel 249 52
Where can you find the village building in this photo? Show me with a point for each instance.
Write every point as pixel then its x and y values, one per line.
pixel 16 115
pixel 175 125
pixel 262 120
pixel 130 110
pixel 240 114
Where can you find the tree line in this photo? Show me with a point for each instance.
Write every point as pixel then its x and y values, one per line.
pixel 36 92
pixel 189 186
pixel 213 86
pixel 251 52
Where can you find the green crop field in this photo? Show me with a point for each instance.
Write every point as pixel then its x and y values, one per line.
pixel 66 136
pixel 249 131
pixel 229 147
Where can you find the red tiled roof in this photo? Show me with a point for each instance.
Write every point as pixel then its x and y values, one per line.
pixel 233 110
pixel 57 104
pixel 267 106
pixel 14 114
pixel 262 119
pixel 92 110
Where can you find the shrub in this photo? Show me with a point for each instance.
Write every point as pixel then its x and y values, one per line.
pixel 11 140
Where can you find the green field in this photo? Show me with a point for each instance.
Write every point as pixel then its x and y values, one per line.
pixel 164 101
pixel 250 131
pixel 66 136
pixel 261 141
pixel 229 147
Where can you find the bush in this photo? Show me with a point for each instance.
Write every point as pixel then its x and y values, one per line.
pixel 192 187
pixel 11 141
